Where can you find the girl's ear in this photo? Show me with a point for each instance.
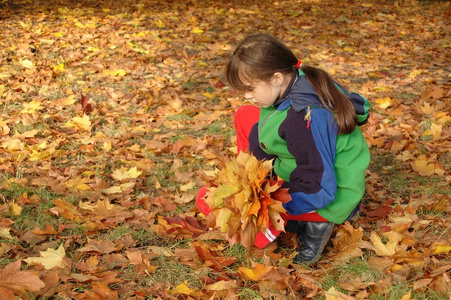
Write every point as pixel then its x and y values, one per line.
pixel 277 79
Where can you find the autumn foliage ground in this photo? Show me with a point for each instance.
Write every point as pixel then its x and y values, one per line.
pixel 111 110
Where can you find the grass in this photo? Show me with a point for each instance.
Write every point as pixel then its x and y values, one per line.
pixel 358 270
pixel 401 181
pixel 173 272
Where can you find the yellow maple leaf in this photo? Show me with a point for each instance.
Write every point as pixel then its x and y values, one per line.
pixel 185 290
pixel 423 165
pixel 427 108
pixel 13 144
pixel 119 189
pixel 384 102
pixel 79 24
pixel 123 174
pixel 222 219
pixel 41 151
pixel 106 146
pixel 135 148
pixel 222 192
pixel 436 130
pixel 209 95
pixel 333 294
pixel 160 23
pixel 79 183
pixel 182 289
pixel 66 101
pixel 440 248
pixel 380 248
pixel 31 107
pixel 26 64
pixel 415 73
pixel 254 274
pixel 390 247
pixel 80 123
pixel 59 68
pixel 197 30
pixel 15 209
pixel 50 259
pixel 133 172
pixel 114 73
pixel 5 233
pixel 120 174
pixel 186 187
pixel 442 116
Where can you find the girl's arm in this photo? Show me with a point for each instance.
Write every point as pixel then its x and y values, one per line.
pixel 254 145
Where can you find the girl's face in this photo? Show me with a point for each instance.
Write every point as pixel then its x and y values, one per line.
pixel 266 93
pixel 262 93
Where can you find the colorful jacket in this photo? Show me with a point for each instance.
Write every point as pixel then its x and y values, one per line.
pixel 324 171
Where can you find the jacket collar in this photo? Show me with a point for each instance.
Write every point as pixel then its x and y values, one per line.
pixel 300 93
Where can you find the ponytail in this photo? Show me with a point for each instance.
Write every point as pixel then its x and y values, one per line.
pixel 332 98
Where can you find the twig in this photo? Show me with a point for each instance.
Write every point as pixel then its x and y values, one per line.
pixel 442 234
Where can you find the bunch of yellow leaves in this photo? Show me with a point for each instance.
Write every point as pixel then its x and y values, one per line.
pixel 245 198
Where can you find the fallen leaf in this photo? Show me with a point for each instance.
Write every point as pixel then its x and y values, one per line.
pixel 21 281
pixel 256 273
pixel 333 294
pixel 439 248
pixel 183 289
pixel 80 123
pixel 15 209
pixel 50 259
pixel 380 248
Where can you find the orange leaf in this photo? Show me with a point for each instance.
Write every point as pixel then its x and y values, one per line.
pixel 347 240
pixel 101 291
pixel 210 258
pixel 21 281
pixel 255 273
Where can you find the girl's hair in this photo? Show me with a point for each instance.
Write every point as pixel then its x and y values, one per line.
pixel 259 56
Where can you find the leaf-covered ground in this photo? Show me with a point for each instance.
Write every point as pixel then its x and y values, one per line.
pixel 111 110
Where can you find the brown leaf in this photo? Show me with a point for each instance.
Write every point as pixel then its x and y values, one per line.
pixel 101 291
pixel 347 241
pixel 418 284
pixel 20 281
pixel 7 294
pixel 135 257
pixel 211 258
pixel 51 280
pixel 102 247
pixel 48 229
pixel 189 224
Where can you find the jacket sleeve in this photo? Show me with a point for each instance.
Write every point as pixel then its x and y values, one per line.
pixel 254 145
pixel 311 140
pixel 361 104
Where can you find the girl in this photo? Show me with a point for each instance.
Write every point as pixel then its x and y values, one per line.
pixel 308 124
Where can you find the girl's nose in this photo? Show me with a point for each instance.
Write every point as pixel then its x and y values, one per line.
pixel 248 95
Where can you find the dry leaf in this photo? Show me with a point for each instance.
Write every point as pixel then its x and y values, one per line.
pixel 12 278
pixel 50 259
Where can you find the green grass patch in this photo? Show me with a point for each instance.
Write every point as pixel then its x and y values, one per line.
pixel 401 181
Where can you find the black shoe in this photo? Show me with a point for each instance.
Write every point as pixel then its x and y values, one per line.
pixel 312 238
pixel 293 226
